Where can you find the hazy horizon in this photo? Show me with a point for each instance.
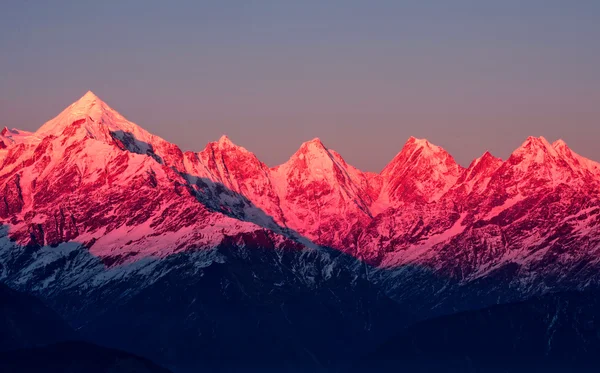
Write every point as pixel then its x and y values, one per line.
pixel 362 77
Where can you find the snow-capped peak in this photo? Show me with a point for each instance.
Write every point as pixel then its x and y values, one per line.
pixel 91 118
pixel 575 161
pixel 99 118
pixel 314 145
pixel 419 153
pixel 537 159
pixel 316 140
pixel 224 144
pixel 479 172
pixel 89 96
pixel 14 136
pixel 537 148
pixel 311 155
pixel 313 161
pixel 99 121
pixel 562 149
pixel 486 159
pixel 421 170
pixel 422 143
pixel 225 141
pixel 559 144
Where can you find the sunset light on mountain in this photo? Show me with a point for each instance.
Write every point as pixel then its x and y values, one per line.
pixel 200 220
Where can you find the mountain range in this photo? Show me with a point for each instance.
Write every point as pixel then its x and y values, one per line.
pixel 118 230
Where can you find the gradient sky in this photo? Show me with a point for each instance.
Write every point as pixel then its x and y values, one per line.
pixel 363 76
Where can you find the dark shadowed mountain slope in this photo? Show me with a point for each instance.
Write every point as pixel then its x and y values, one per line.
pixel 257 298
pixel 27 322
pixel 554 332
pixel 75 357
pixel 33 338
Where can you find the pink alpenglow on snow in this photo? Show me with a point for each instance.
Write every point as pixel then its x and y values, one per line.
pixel 92 177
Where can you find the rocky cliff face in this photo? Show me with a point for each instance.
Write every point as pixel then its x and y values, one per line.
pixel 91 175
pixel 93 204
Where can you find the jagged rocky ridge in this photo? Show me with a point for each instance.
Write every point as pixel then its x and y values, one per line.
pixel 92 176
pixel 96 210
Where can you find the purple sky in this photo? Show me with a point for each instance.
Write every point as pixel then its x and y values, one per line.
pixel 361 75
